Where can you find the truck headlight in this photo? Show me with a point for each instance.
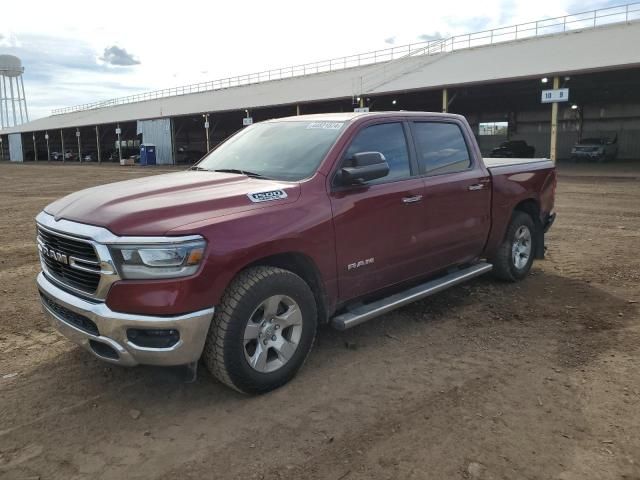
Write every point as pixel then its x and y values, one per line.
pixel 135 262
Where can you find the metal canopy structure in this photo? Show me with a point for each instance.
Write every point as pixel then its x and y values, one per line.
pixel 548 26
pixel 602 48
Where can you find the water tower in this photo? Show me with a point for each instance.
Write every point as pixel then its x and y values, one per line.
pixel 13 103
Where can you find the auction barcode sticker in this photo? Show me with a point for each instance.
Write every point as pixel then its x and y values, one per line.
pixel 326 125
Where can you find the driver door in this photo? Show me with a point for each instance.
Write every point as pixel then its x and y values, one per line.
pixel 379 226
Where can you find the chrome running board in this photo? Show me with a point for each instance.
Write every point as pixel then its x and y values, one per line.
pixel 362 313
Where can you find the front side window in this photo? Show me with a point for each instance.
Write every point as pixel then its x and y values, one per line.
pixel 388 139
pixel 287 150
pixel 441 148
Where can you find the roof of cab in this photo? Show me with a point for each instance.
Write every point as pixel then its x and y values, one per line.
pixel 349 116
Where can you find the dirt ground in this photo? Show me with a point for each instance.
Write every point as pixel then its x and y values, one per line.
pixel 536 380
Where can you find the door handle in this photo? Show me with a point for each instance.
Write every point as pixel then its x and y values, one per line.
pixel 413 199
pixel 477 186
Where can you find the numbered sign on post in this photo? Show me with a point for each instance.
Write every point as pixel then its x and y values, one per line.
pixel 555 95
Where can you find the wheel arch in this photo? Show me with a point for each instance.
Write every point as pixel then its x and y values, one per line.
pixel 303 266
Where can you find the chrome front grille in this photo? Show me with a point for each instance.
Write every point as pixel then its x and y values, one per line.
pixel 68 245
pixel 71 261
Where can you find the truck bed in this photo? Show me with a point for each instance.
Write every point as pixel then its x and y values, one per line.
pixel 516 180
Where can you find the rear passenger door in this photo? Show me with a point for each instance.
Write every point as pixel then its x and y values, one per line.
pixel 457 198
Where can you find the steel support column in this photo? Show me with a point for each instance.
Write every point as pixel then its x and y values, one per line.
pixel 79 149
pixel 206 128
pixel 554 124
pixel 98 145
pixel 119 133
pixel 64 154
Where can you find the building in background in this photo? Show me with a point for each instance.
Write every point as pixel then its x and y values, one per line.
pixel 548 83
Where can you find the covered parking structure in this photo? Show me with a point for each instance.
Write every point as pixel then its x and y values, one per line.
pixel 494 78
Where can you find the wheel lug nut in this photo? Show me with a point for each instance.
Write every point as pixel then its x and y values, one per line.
pixel 265 342
pixel 273 338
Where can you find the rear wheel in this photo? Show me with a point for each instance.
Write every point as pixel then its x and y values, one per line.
pixel 263 330
pixel 514 258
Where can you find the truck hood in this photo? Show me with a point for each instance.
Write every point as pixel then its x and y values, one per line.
pixel 155 205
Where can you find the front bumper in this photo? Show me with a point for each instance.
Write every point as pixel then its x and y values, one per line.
pixel 587 155
pixel 105 332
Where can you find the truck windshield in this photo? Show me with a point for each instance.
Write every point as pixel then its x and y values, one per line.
pixel 289 150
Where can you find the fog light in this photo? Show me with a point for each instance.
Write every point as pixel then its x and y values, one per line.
pixel 153 338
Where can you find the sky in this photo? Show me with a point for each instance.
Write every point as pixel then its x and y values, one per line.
pixel 77 52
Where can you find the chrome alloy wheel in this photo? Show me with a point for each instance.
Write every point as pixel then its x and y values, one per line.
pixel 521 247
pixel 272 334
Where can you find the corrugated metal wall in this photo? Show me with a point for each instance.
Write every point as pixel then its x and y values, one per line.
pixel 15 147
pixel 158 133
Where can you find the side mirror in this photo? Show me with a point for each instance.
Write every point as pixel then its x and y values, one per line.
pixel 363 167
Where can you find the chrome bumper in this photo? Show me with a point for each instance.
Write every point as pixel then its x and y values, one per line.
pixel 112 327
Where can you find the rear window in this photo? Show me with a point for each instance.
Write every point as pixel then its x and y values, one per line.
pixel 441 148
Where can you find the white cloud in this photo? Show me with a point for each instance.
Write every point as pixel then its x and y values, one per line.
pixel 194 41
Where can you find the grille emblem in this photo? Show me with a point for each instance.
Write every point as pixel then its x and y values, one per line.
pixel 51 253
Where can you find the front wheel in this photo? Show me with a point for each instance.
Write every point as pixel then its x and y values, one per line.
pixel 515 255
pixel 262 331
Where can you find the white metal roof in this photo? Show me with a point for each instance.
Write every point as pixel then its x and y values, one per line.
pixel 602 48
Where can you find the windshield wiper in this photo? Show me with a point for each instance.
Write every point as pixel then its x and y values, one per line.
pixel 239 172
pixel 200 169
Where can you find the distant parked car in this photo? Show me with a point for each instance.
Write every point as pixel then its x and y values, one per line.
pixel 513 149
pixel 89 156
pixel 599 149
pixel 56 156
pixel 69 156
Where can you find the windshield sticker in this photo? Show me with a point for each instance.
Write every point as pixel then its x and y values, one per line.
pixel 326 125
pixel 267 196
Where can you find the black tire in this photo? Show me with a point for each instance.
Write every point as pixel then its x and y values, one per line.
pixel 224 351
pixel 504 266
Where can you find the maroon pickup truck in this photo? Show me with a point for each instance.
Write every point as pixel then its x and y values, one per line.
pixel 289 224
